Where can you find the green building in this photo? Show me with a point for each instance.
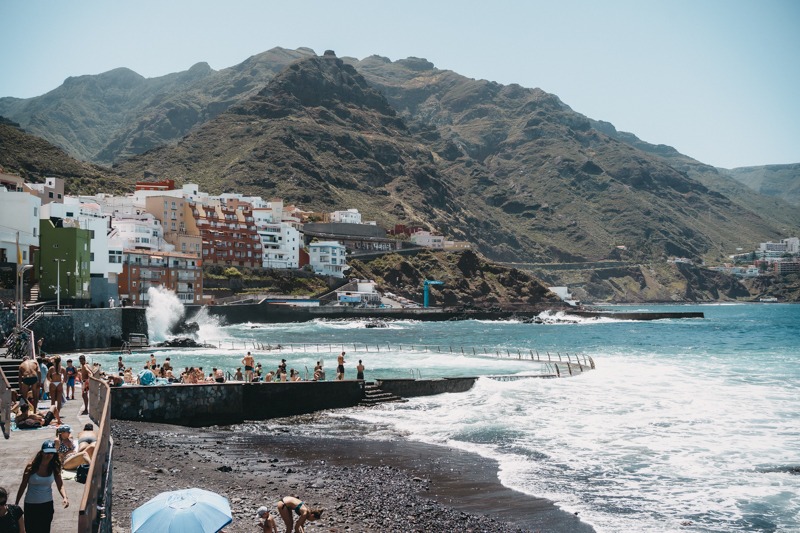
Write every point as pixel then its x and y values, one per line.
pixel 63 262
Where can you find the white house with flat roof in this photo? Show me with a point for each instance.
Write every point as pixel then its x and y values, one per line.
pixel 427 239
pixel 350 216
pixel 328 258
pixel 19 216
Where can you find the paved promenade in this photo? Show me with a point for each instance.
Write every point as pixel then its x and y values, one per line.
pixel 23 445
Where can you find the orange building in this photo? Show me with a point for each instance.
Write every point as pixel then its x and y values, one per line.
pixel 229 234
pixel 142 269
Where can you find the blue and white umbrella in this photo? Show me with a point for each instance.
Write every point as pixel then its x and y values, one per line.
pixel 182 511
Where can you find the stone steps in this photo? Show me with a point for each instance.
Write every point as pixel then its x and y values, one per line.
pixel 373 395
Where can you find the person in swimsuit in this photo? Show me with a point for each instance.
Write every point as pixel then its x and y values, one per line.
pixel 56 378
pixel 86 438
pixel 38 478
pixel 85 371
pixel 249 365
pixel 301 509
pixel 71 458
pixel 340 368
pixel 29 380
pixel 70 371
pixel 360 370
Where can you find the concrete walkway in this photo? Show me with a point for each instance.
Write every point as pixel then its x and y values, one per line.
pixel 23 445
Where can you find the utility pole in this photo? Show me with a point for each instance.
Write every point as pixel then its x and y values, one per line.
pixel 58 283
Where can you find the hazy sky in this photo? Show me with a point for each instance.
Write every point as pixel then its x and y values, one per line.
pixel 716 79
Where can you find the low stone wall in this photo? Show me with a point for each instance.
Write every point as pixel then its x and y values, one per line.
pixel 229 403
pixel 409 388
pixel 86 329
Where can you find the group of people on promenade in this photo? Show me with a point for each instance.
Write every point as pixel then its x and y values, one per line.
pixel 250 372
pixel 41 379
pixel 40 473
pixel 46 377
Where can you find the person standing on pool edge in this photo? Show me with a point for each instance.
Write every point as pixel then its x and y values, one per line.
pixel 340 367
pixel 360 370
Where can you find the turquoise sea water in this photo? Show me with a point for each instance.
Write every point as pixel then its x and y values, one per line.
pixel 685 425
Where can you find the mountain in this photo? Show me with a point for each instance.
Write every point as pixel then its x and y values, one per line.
pixel 34 159
pixel 120 113
pixel 780 181
pixel 513 170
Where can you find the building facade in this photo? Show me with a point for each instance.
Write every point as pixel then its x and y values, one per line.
pixel 328 258
pixel 64 261
pixel 143 269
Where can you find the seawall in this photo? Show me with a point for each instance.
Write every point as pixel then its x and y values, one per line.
pixel 278 313
pixel 409 388
pixel 87 329
pixel 230 403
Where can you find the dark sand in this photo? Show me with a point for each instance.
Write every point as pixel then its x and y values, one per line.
pixel 364 485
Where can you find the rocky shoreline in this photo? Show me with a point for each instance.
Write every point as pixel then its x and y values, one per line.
pixel 363 485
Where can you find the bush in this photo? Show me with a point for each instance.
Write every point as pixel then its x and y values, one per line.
pixel 232 272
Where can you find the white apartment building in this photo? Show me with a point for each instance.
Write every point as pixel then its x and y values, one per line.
pixel 328 258
pixel 142 231
pixel 280 241
pixel 19 216
pixel 790 245
pixel 427 239
pixel 105 264
pixel 351 216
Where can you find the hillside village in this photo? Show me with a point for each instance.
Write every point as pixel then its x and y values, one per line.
pixel 104 250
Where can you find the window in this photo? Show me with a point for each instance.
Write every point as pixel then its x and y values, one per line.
pixel 50 194
pixel 36 212
pixel 70 214
pixel 91 256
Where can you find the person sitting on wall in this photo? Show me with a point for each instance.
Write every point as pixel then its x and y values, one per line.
pixel 146 377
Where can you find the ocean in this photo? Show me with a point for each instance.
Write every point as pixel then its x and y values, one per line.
pixel 684 425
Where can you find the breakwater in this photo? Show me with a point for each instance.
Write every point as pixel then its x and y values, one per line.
pixel 229 403
pixel 267 312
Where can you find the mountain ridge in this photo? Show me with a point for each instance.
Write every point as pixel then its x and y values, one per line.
pixel 513 170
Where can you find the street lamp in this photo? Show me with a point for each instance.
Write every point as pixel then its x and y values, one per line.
pixel 58 282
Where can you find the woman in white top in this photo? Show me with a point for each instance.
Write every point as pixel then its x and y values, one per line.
pixel 38 479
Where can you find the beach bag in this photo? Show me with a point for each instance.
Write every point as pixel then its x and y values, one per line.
pixel 81 473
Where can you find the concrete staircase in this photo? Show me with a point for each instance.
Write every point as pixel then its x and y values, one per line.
pixel 34 293
pixel 373 395
pixel 11 370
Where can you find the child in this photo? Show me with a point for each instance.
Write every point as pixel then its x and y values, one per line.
pixel 269 524
pixel 70 371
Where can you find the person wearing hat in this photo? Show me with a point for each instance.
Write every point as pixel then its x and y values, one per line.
pixel 37 485
pixel 68 452
pixel 269 525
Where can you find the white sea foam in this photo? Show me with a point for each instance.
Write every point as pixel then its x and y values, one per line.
pixel 164 310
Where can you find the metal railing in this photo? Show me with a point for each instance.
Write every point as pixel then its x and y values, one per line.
pixel 95 510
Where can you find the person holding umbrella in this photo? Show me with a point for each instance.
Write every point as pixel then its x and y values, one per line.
pixel 289 504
